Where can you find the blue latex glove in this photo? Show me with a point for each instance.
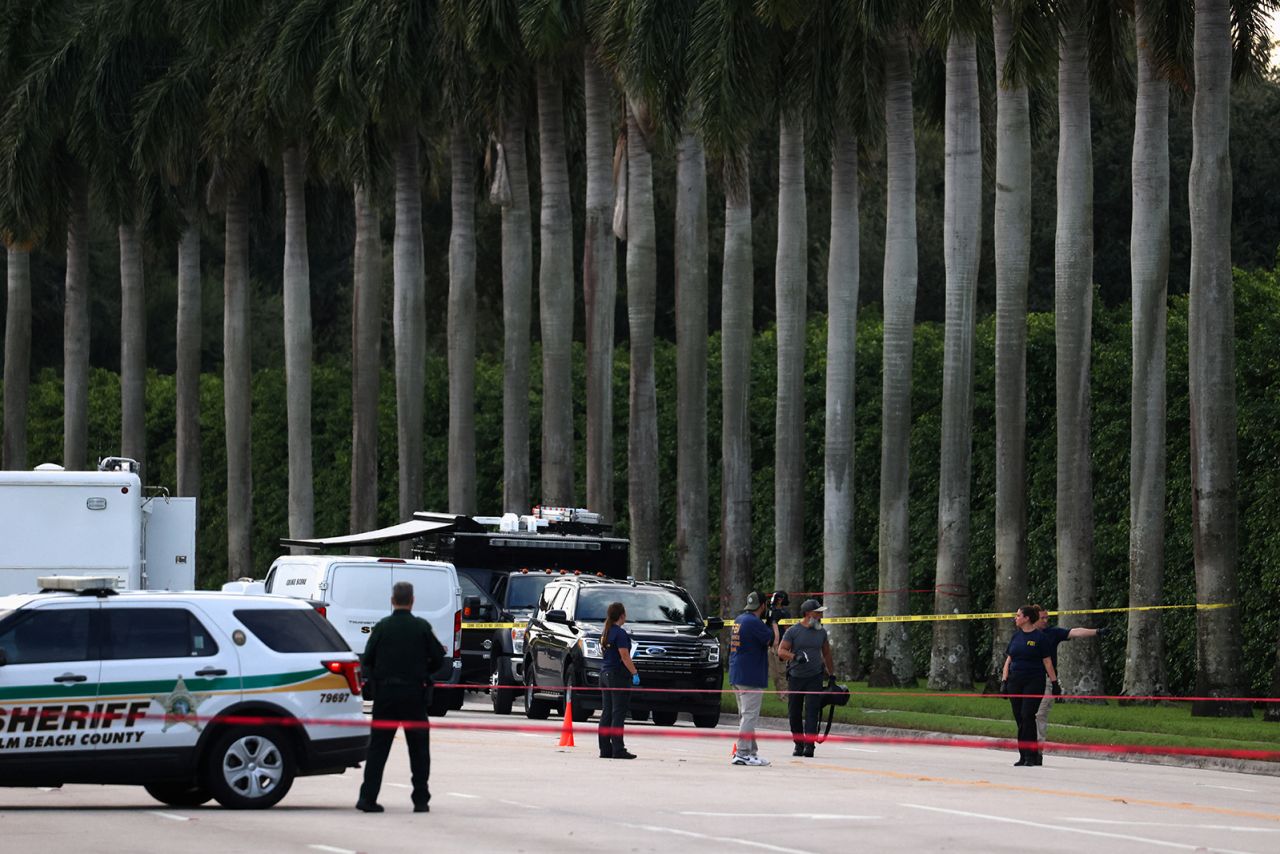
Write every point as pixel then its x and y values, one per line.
pixel 635 678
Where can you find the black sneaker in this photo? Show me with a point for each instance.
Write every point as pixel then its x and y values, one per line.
pixel 808 752
pixel 422 808
pixel 799 751
pixel 624 755
pixel 367 807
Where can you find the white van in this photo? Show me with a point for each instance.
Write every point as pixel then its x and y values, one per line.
pixel 354 593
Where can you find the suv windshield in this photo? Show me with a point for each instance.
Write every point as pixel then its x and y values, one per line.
pixel 523 590
pixel 643 605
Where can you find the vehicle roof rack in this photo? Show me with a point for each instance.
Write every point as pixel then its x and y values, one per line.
pixel 85 585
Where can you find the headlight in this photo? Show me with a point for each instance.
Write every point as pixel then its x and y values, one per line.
pixel 517 641
pixel 591 647
pixel 713 652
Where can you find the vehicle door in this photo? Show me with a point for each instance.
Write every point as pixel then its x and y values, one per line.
pixel 359 595
pixel 48 686
pixel 555 640
pixel 478 646
pixel 298 580
pixel 436 599
pixel 166 670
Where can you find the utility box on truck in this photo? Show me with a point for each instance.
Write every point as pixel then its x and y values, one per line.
pixel 55 522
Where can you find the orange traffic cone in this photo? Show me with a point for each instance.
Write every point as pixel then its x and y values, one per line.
pixel 734 752
pixel 566 730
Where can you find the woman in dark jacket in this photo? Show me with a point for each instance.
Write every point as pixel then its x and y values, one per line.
pixel 1026 663
pixel 618 676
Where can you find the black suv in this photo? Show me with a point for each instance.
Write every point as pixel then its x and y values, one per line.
pixel 672 646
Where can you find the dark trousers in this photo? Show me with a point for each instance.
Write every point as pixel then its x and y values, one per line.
pixel 1025 708
pixel 408 705
pixel 613 711
pixel 804 709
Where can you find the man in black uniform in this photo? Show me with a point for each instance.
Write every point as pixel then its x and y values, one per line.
pixel 400 657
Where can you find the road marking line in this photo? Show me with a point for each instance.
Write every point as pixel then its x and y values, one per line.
pixel 1042 826
pixel 169 815
pixel 1065 793
pixel 860 749
pixel 400 785
pixel 1233 827
pixel 750 843
pixel 813 815
pixel 463 795
pixel 1228 788
pixel 332 849
pixel 517 804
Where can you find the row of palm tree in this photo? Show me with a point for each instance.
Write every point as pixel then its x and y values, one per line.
pixel 170 111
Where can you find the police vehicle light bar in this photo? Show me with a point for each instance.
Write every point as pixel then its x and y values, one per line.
pixel 78 583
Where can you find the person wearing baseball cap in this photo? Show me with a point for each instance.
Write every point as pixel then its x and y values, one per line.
pixel 807 651
pixel 749 673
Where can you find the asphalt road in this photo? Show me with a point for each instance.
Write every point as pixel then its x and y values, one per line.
pixel 519 791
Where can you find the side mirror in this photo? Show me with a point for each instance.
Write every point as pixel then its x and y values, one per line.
pixel 714 624
pixel 471 608
pixel 557 616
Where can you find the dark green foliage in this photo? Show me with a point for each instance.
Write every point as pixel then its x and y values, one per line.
pixel 1258 375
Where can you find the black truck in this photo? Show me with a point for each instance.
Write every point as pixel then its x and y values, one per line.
pixel 503 572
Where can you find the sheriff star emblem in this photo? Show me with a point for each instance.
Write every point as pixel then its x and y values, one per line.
pixel 180 706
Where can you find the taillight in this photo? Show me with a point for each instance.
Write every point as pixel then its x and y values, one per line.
pixel 348 669
pixel 322 610
pixel 457 632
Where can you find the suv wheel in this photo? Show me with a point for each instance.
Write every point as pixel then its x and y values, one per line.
pixel 707 720
pixel 534 709
pixel 179 794
pixel 250 768
pixel 501 692
pixel 665 718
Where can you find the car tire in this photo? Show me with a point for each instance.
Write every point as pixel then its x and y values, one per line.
pixel 501 692
pixel 665 718
pixel 707 720
pixel 249 768
pixel 639 716
pixel 534 709
pixel 179 794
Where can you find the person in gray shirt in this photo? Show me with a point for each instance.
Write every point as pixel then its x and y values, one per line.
pixel 807 651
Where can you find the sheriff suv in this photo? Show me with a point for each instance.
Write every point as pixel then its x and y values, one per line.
pixel 194 696
pixel 673 647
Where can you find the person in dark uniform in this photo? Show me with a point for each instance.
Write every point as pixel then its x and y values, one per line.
pixel 1026 664
pixel 617 676
pixel 1055 635
pixel 400 657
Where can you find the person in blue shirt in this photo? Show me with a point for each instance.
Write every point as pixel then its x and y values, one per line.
pixel 1026 664
pixel 749 673
pixel 617 677
pixel 1056 635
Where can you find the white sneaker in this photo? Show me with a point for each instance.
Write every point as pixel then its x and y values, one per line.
pixel 759 761
pixel 739 759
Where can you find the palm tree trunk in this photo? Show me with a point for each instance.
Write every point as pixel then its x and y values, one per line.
pixel 1144 666
pixel 791 282
pixel 1079 665
pixel 409 321
pixel 736 328
pixel 187 357
pixel 599 285
pixel 950 667
pixel 1211 355
pixel 133 346
pixel 237 384
pixel 517 317
pixel 366 361
pixel 462 327
pixel 842 327
pixel 642 280
pixel 893 663
pixel 691 366
pixel 555 295
pixel 17 359
pixel 75 329
pixel 297 345
pixel 1013 258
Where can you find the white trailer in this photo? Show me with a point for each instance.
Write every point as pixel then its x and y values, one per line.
pixel 56 522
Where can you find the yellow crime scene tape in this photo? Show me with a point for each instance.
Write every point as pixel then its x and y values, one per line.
pixel 997 615
pixel 932 618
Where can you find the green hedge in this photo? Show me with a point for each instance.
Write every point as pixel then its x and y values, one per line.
pixel 1258 328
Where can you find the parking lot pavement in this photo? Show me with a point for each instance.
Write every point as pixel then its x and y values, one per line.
pixel 518 791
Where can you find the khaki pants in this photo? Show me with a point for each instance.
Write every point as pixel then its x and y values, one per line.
pixel 778 673
pixel 749 699
pixel 1042 715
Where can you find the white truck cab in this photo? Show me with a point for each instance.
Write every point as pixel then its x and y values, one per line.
pixel 354 593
